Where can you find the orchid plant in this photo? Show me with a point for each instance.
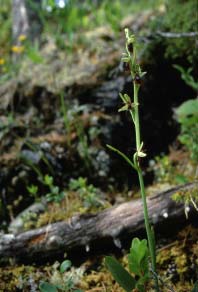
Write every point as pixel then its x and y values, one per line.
pixel 138 253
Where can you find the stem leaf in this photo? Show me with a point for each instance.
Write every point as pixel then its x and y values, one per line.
pixel 47 287
pixel 125 157
pixel 124 279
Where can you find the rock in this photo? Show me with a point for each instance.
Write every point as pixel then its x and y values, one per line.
pixel 31 156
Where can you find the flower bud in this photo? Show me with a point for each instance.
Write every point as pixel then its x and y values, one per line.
pixel 130 47
pixel 137 79
pixel 126 66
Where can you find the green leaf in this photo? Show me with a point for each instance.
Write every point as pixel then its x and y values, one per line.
pixel 122 97
pixel 124 279
pixel 195 288
pixel 140 247
pixel 48 180
pixel 125 157
pixel 47 287
pixel 141 281
pixel 65 266
pixel 133 264
pixel 124 108
pixel 34 55
pixel 140 288
pixel 32 189
pixel 125 59
pixel 142 74
pixel 138 257
pixel 187 77
pixel 55 190
pixel 127 98
pixel 189 107
pixel 132 112
pixel 153 243
pixel 181 179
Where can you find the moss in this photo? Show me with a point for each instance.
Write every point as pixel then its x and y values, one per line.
pixel 20 278
pixel 72 204
pixel 5 23
pixel 187 197
pixel 183 255
pixel 180 17
pixel 175 168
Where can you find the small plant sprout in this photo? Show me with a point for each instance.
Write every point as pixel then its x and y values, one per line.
pixel 139 254
pixel 33 191
pixel 54 195
pixel 87 192
pixel 64 279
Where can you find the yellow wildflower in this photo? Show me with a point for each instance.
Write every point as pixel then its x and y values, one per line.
pixel 18 49
pixel 2 61
pixel 22 37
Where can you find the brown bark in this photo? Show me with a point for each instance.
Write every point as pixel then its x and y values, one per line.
pixel 89 231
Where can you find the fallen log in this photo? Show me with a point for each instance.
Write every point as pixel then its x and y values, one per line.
pixel 91 230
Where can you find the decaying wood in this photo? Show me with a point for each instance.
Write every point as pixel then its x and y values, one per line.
pixel 88 231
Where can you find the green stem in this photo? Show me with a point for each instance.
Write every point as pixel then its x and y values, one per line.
pixel 148 228
pixel 142 187
pixel 146 218
pixel 65 119
pixel 136 75
pixel 137 121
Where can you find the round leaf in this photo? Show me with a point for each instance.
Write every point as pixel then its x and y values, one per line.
pixel 47 287
pixel 65 266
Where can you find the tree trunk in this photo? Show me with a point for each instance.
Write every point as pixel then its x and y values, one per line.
pixel 26 20
pixel 98 231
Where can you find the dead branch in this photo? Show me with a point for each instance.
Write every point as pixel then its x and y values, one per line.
pixel 89 231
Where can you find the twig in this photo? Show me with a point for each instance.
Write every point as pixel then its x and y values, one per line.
pixel 172 35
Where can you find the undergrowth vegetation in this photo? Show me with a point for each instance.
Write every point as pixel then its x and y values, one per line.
pixel 174 261
pixel 61 24
pixel 180 17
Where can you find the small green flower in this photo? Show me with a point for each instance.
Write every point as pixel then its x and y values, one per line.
pixel 140 153
pixel 128 105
